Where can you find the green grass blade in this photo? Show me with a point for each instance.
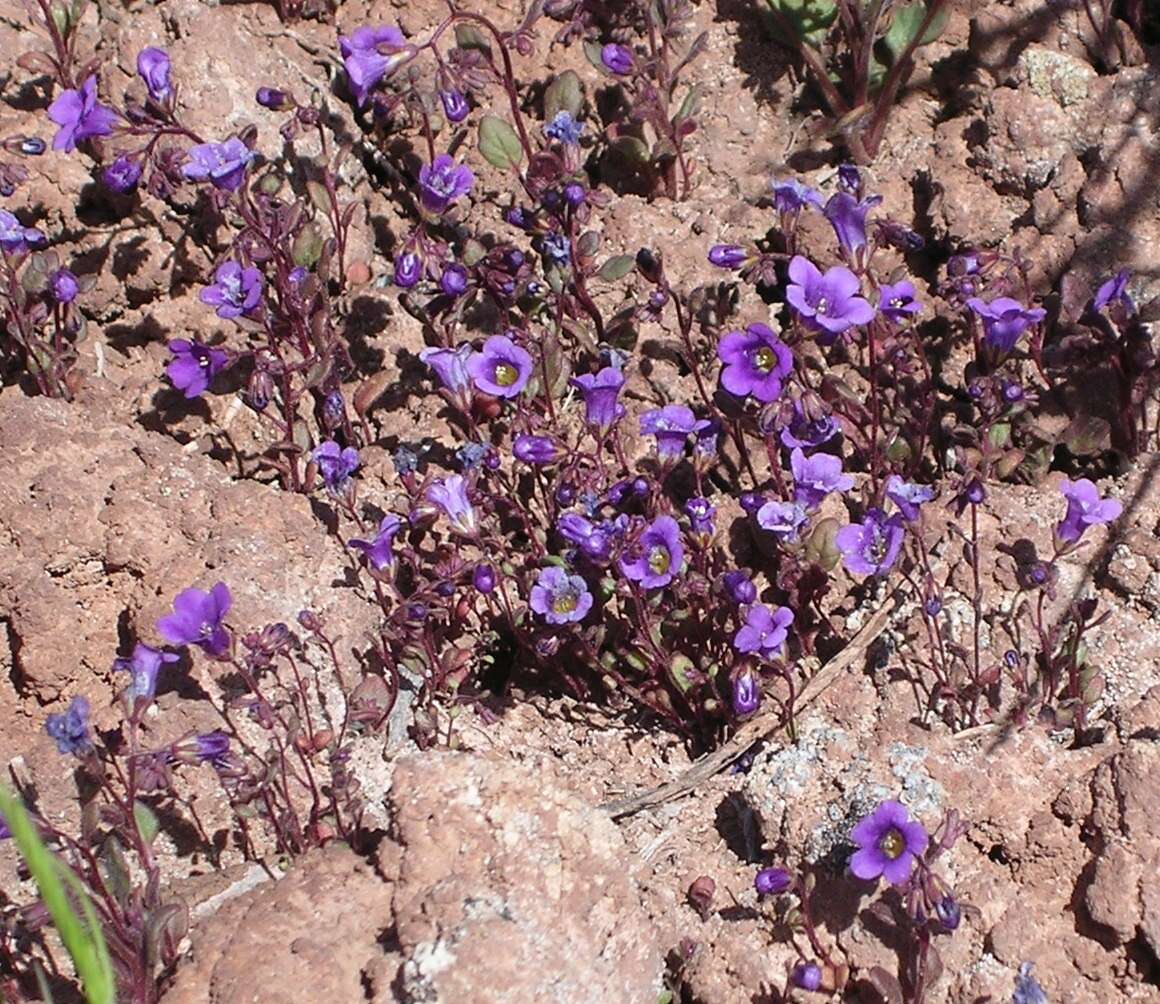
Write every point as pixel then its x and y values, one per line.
pixel 82 937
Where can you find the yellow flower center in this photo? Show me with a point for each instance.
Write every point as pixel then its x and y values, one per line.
pixel 892 845
pixel 764 359
pixel 506 374
pixel 659 560
pixel 565 603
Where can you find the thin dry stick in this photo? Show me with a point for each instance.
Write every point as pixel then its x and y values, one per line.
pixel 759 728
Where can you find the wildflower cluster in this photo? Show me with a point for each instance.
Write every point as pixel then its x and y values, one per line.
pixel 280 755
pixel 889 846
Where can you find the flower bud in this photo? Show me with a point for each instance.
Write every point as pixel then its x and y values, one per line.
pixel 122 175
pixel 746 693
pixel 806 976
pixel 617 59
pixel 408 269
pixel 701 894
pixel 739 587
pixel 453 282
pixel 64 286
pixel 727 255
pixel 272 98
pixel 772 881
pixel 483 578
pixel 455 105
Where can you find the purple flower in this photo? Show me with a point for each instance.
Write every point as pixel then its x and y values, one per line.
pixel 222 164
pixel 764 630
pixel 701 513
pixel 600 391
pixel 829 302
pixel 557 248
pixel 537 450
pixel 144 665
pixel 63 286
pixel 272 98
pixel 949 913
pixel 122 175
pixel 483 578
pixel 1084 508
pixel 617 59
pixel 212 747
pixel 408 269
pixel 783 519
pixel 897 303
pixel 453 281
pixel 756 362
pixel 455 105
pixel 888 844
pixel 450 365
pixel 705 439
pixel 336 465
pixel 1115 291
pixel 593 540
pixel 1004 320
pixel 671 425
pixel 792 196
pixel 728 255
pixel 153 68
pixel 502 368
pixel 197 620
pixel 739 586
pixel 772 881
pixel 564 129
pixel 746 693
pixel 848 218
pixel 194 365
pixel 442 182
pixel 379 550
pixel 450 496
pixel 806 976
pixel 1027 990
pixel 907 496
pixel 816 476
pixel 658 555
pixel 70 728
pixel 560 598
pixel 15 238
pixel 369 55
pixel 808 433
pixel 871 547
pixel 235 290
pixel 80 116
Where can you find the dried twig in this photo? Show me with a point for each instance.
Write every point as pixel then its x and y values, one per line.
pixel 759 728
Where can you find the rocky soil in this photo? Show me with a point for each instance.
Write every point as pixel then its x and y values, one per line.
pixel 497 876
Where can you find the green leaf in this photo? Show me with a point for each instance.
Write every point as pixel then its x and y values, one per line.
pixel 468 36
pixel 593 51
pixel 632 148
pixel 691 103
pixel 499 144
pixel 1087 435
pixel 564 94
pixel 473 252
pixel 146 820
pixel 307 246
pixel 617 267
pixel 905 24
pixel 809 19
pixel 67 903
